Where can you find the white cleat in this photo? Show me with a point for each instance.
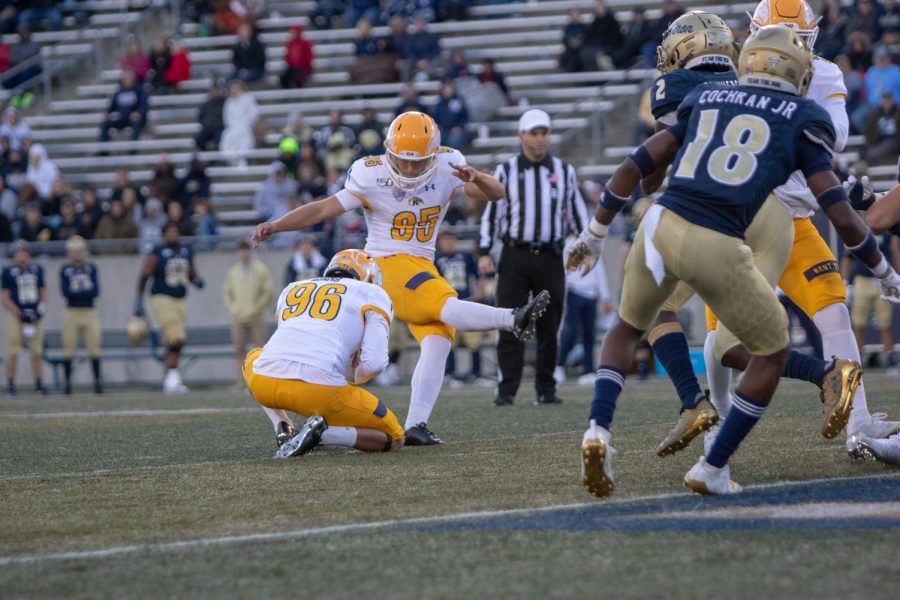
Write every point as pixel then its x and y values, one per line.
pixel 709 480
pixel 559 375
pixel 587 379
pixel 596 461
pixel 874 426
pixel 709 437
pixel 882 450
pixel 175 389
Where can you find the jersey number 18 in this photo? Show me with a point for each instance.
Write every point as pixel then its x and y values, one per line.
pixel 735 162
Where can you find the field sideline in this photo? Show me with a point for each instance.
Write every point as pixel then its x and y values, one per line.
pixel 140 495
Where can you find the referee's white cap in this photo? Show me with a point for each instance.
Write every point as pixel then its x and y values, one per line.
pixel 533 119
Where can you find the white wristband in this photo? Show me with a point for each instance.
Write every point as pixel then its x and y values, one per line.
pixel 883 269
pixel 597 228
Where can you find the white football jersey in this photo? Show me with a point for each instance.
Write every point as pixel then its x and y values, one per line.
pixel 320 325
pixel 401 222
pixel 827 89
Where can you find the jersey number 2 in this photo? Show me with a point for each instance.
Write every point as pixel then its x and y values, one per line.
pixel 734 163
pixel 322 301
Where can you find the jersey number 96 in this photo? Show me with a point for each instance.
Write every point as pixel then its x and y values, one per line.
pixel 321 301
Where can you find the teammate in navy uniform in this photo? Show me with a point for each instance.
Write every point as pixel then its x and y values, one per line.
pixel 734 145
pixel 81 288
pixel 171 267
pixel 24 297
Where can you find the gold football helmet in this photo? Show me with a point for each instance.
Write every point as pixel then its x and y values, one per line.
pixel 138 330
pixel 776 58
pixel 414 139
pixel 76 248
pixel 355 264
pixel 696 38
pixel 794 14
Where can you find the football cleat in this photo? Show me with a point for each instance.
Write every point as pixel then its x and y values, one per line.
pixel 309 437
pixel 691 423
pixel 283 433
pixel 708 480
pixel 596 462
pixel 549 398
pixel 838 387
pixel 873 426
pixel 525 318
pixel 420 435
pixel 886 451
pixel 503 400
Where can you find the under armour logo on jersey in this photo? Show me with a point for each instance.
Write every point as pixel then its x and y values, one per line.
pixel 429 187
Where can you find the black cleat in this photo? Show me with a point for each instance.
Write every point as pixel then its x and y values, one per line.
pixel 10 389
pixel 549 398
pixel 284 433
pixel 67 389
pixel 98 387
pixel 40 390
pixel 503 400
pixel 308 438
pixel 526 317
pixel 420 435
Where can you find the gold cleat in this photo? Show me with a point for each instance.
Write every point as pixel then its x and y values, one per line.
pixel 838 389
pixel 691 423
pixel 596 472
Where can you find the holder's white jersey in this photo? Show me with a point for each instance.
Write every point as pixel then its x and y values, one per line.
pixel 401 222
pixel 321 323
pixel 827 89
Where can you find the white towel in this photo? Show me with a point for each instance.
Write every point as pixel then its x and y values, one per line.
pixel 652 258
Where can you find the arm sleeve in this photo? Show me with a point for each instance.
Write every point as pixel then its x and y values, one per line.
pixel 64 283
pixel 490 216
pixel 40 278
pixel 373 351
pixel 815 147
pixel 96 281
pixel 575 206
pixel 352 196
pixel 837 110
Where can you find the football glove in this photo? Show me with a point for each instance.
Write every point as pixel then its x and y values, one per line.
pixel 29 316
pixel 890 285
pixel 198 282
pixel 138 307
pixel 584 252
pixel 860 192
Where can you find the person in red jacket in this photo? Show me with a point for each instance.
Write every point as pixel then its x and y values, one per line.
pixel 298 58
pixel 179 66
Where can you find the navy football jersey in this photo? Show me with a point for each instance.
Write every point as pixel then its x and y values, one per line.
pixel 79 285
pixel 669 89
pixel 173 268
pixel 738 144
pixel 458 269
pixel 24 285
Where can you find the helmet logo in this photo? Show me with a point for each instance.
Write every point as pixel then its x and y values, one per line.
pixel 774 61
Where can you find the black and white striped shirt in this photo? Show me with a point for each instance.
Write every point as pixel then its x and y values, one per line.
pixel 542 204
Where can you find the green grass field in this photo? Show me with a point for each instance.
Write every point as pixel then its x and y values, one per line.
pixel 179 497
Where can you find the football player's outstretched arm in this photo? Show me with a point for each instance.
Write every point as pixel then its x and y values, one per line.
pixel 479 186
pixel 299 218
pixel 659 149
pixel 654 181
pixel 884 214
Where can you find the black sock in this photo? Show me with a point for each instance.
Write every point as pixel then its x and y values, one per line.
pixel 67 371
pixel 95 367
pixel 37 384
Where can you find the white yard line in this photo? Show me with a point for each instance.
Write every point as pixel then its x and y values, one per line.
pixel 375 525
pixel 136 412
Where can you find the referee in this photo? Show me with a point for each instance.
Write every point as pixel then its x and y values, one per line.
pixel 542 206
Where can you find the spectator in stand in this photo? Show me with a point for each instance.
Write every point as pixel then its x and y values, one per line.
pixel 310 185
pixel 176 214
pixel 490 75
pixel 889 20
pixel 832 28
pixel 9 201
pixel 374 63
pixel 25 298
pixel 127 108
pixel 423 49
pixel 150 225
pixel 116 224
pixel 160 59
pixel 42 172
pixel 164 184
pixel 671 12
pixel 248 295
pixel 864 20
pixel 41 12
pixel 453 10
pixel 459 67
pixel 133 208
pixel 239 116
pixel 339 155
pixel 297 129
pixel 327 14
pixel 603 40
pixel 89 210
pixel 335 124
pixel 859 51
pixel 574 37
pixel 123 182
pixel 136 61
pixel 32 227
pixel 357 10
pixel 370 133
pixel 24 50
pixel 298 59
pixel 14 167
pixel 69 224
pixel 306 263
pixel 195 183
pixel 883 132
pixel 311 160
pixel 59 192
pixel 210 118
pixel 638 41
pixel 224 21
pixel 853 81
pixel 179 66
pixel 272 194
pixel 451 116
pixel 395 42
pixel 15 129
pixel 882 76
pixel 248 55
pixel 9 16
pixel 248 11
pixel 409 101
pixel 204 222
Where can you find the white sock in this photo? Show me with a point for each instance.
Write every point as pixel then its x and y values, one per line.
pixel 339 436
pixel 427 378
pixel 472 316
pixel 833 323
pixel 276 415
pixel 718 378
